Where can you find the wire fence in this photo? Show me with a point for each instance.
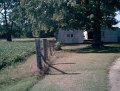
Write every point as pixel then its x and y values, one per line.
pixel 44 51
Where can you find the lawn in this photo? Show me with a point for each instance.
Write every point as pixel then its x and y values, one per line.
pixel 16 73
pixel 22 84
pixel 11 55
pixel 14 52
pixel 86 48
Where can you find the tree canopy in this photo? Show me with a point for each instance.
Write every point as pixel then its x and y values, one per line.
pixel 68 14
pixel 6 7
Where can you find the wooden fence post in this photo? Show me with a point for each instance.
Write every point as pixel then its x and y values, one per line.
pixel 38 54
pixel 53 46
pixel 45 45
pixel 50 48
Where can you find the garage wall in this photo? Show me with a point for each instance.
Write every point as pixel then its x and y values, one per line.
pixel 109 35
pixel 70 36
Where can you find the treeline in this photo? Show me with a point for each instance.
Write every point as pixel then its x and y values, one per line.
pixel 17 33
pixel 14 22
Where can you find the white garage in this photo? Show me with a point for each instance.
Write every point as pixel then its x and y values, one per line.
pixel 71 36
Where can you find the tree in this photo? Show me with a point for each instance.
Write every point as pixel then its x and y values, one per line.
pixel 74 14
pixel 6 7
pixel 90 14
pixel 20 19
pixel 39 14
pixel 103 14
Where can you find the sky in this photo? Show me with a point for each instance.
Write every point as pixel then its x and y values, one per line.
pixel 118 18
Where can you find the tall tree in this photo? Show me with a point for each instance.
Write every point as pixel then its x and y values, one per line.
pixel 6 7
pixel 74 14
pixel 19 17
pixel 35 16
pixel 103 14
pixel 90 14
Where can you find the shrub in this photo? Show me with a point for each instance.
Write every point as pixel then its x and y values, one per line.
pixel 58 46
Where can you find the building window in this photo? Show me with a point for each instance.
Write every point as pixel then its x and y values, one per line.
pixel 71 35
pixel 68 35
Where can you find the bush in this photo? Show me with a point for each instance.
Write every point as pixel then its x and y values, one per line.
pixel 58 46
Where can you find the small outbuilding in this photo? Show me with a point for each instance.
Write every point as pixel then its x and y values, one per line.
pixel 70 36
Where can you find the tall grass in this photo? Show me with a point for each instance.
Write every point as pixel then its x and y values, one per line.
pixel 12 52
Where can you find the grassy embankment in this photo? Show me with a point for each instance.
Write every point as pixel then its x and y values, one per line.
pixel 14 52
pixel 11 55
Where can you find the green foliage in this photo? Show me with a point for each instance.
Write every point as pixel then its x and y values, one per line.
pixel 35 15
pixel 50 15
pixel 22 84
pixel 58 46
pixel 45 15
pixel 6 7
pixel 18 16
pixel 12 52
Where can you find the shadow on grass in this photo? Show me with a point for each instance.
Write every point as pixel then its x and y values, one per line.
pixel 23 41
pixel 65 74
pixel 62 63
pixel 89 49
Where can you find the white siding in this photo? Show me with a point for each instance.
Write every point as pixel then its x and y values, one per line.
pixel 118 32
pixel 109 35
pixel 70 36
pixel 85 35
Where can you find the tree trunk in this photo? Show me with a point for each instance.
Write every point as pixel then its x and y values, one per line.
pixel 8 34
pixel 97 43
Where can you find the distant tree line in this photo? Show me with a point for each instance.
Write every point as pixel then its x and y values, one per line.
pixel 14 22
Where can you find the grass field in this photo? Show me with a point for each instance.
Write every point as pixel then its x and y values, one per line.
pixel 86 48
pixel 23 84
pixel 12 52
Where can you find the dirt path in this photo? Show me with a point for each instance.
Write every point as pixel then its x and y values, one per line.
pixel 85 72
pixel 114 76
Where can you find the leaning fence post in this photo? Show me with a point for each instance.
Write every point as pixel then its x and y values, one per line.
pixel 45 45
pixel 38 54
